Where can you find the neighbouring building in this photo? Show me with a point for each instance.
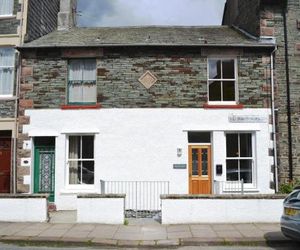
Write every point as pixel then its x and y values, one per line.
pixel 187 105
pixel 278 19
pixel 20 20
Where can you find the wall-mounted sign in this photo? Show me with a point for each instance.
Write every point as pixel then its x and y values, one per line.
pixel 247 119
pixel 179 166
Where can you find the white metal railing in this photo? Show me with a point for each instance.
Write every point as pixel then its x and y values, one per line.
pixel 229 187
pixel 142 197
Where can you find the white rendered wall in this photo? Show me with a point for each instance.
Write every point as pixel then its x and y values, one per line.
pixel 100 210
pixel 181 211
pixel 23 209
pixel 141 144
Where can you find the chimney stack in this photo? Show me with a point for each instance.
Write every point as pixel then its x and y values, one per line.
pixel 67 14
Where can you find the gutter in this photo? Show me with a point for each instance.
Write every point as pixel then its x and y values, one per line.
pixel 288 99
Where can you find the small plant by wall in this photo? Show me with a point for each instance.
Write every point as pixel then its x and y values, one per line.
pixel 288 187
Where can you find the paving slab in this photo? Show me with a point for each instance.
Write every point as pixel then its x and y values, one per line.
pixel 229 233
pixel 222 227
pixel 207 233
pixel 178 228
pixel 76 234
pixel 53 233
pixel 28 233
pixel 179 235
pixel 154 236
pixel 268 226
pixel 104 234
pixel 197 241
pixel 128 236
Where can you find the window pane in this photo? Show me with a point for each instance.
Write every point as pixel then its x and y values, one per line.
pixel 75 70
pixel 7 57
pixel 195 162
pixel 215 91
pixel 245 145
pixel 6 7
pixel 228 91
pixel 246 171
pixel 89 92
pixel 228 69
pixel 74 172
pixel 204 162
pixel 199 137
pixel 89 70
pixel 214 69
pixel 87 147
pixel 75 92
pixel 74 147
pixel 6 81
pixel 232 170
pixel 232 145
pixel 88 172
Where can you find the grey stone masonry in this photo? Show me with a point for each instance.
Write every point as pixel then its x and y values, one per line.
pixel 10 25
pixel 181 74
pixel 7 108
pixel 271 23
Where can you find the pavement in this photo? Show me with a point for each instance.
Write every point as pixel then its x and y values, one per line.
pixel 141 232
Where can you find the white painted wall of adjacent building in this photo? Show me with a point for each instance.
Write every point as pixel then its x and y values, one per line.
pixel 141 144
pixel 23 209
pixel 181 211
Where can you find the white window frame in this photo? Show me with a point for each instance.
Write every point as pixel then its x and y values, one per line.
pixel 235 80
pixel 253 158
pixel 81 186
pixel 12 67
pixel 11 14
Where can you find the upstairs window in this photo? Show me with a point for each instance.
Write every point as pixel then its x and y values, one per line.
pixel 7 66
pixel 6 7
pixel 222 80
pixel 82 87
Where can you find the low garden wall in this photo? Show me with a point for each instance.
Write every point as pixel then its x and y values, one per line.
pixel 23 208
pixel 181 209
pixel 101 208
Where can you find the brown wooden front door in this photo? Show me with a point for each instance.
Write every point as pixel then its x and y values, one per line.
pixel 5 161
pixel 200 169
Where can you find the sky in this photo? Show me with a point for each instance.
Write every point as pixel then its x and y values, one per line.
pixel 111 13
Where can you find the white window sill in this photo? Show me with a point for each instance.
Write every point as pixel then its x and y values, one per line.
pixel 7 97
pixel 7 16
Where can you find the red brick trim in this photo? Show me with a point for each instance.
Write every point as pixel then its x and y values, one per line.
pixel 67 107
pixel 235 106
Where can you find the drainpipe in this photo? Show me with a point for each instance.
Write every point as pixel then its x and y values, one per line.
pixel 273 121
pixel 288 99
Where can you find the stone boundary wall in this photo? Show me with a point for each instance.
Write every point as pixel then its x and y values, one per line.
pixel 23 208
pixel 106 208
pixel 182 209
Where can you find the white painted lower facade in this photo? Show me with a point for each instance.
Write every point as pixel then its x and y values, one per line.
pixel 143 144
pixel 181 211
pixel 24 209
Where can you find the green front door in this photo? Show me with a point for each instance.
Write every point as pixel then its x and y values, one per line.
pixel 44 165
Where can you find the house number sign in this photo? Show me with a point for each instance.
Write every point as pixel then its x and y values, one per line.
pixel 247 119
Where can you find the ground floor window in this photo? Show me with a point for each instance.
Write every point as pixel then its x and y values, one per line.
pixel 81 159
pixel 239 157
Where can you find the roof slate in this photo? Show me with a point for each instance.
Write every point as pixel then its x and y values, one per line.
pixel 148 36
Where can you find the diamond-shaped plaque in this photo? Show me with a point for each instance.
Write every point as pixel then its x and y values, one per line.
pixel 148 79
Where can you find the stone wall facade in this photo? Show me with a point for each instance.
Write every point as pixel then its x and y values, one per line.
pixel 181 74
pixel 271 17
pixel 10 25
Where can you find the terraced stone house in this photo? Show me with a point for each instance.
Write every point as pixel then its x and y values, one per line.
pixel 189 107
pixel 277 19
pixel 20 20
